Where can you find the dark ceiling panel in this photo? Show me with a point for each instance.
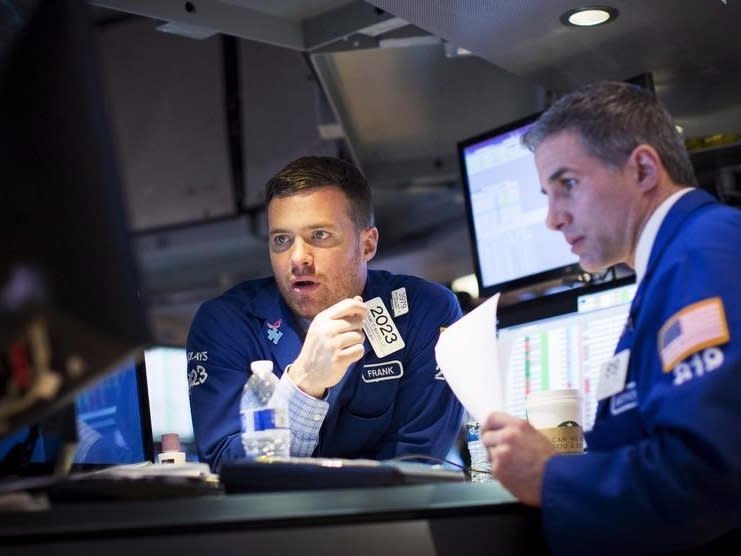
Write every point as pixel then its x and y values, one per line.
pixel 690 47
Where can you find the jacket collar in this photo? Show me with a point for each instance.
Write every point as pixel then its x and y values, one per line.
pixel 668 230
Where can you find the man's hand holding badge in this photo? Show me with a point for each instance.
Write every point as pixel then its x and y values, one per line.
pixel 335 339
pixel 333 342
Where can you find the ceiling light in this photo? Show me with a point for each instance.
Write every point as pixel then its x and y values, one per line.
pixel 589 16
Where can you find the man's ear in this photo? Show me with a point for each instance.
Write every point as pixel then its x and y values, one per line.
pixel 646 167
pixel 369 242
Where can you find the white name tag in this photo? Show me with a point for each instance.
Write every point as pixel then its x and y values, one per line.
pixel 399 303
pixel 380 329
pixel 390 370
pixel 612 375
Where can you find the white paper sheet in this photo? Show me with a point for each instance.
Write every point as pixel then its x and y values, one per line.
pixel 467 355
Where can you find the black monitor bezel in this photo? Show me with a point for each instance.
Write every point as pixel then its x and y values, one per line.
pixel 554 305
pixel 531 280
pixel 144 411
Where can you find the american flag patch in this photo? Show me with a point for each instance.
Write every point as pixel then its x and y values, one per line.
pixel 697 326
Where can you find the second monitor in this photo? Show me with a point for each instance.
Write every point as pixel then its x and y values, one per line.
pixel 169 402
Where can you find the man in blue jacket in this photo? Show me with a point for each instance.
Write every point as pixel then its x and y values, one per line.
pixel 347 396
pixel 663 467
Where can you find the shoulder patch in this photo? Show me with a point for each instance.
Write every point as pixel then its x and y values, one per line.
pixel 697 326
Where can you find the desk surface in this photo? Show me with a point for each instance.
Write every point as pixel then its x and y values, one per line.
pixel 258 510
pixel 426 519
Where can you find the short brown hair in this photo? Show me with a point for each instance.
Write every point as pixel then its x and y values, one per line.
pixel 310 172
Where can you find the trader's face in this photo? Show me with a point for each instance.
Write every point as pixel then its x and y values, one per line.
pixel 595 206
pixel 318 255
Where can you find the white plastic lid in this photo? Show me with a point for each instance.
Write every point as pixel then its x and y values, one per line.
pixel 553 395
pixel 261 367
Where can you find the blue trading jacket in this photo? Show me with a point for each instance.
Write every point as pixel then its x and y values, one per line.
pixel 415 413
pixel 663 468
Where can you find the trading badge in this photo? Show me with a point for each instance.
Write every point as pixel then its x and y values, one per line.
pixel 399 304
pixel 380 329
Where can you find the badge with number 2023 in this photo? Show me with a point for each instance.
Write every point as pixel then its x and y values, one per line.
pixel 380 329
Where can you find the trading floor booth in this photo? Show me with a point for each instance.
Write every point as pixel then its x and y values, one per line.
pixel 78 365
pixel 72 334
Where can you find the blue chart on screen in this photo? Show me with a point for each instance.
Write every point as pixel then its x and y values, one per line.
pixel 109 420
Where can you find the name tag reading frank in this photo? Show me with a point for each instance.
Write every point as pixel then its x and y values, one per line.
pixel 390 370
pixel 380 329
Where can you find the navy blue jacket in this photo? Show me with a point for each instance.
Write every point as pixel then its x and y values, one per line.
pixel 663 468
pixel 414 414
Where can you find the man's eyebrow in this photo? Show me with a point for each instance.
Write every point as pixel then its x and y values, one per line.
pixel 328 225
pixel 557 174
pixel 272 231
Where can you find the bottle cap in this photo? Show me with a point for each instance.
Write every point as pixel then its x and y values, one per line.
pixel 170 442
pixel 262 367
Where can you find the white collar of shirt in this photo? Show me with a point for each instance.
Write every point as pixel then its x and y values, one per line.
pixel 648 235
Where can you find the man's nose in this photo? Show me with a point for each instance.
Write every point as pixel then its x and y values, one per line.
pixel 301 253
pixel 556 218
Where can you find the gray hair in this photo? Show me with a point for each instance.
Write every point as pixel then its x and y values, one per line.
pixel 612 119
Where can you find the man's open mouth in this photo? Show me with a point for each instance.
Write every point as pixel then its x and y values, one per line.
pixel 304 284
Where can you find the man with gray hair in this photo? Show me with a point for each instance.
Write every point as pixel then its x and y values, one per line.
pixel 663 467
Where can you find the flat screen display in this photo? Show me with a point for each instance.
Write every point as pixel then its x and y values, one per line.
pixel 564 350
pixel 112 421
pixel 506 209
pixel 169 401
pixel 110 424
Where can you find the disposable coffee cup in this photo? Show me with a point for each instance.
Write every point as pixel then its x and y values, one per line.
pixel 557 414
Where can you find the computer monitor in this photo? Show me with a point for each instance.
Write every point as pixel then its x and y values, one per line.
pixel 113 427
pixel 169 400
pixel 113 423
pixel 561 342
pixel 70 309
pixel 506 211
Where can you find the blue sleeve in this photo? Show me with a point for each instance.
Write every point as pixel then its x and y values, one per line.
pixel 427 415
pixel 680 486
pixel 218 359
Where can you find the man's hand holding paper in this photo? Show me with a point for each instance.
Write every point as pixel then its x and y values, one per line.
pixel 468 358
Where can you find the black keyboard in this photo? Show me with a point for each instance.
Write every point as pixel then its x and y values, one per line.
pixel 91 488
pixel 326 473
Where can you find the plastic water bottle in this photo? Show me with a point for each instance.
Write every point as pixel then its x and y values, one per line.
pixel 265 431
pixel 480 468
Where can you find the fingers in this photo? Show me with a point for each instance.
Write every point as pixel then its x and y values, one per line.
pixel 503 429
pixel 351 353
pixel 498 419
pixel 491 439
pixel 335 328
pixel 346 324
pixel 351 338
pixel 352 308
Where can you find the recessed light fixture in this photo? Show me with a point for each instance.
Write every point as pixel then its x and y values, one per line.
pixel 589 16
